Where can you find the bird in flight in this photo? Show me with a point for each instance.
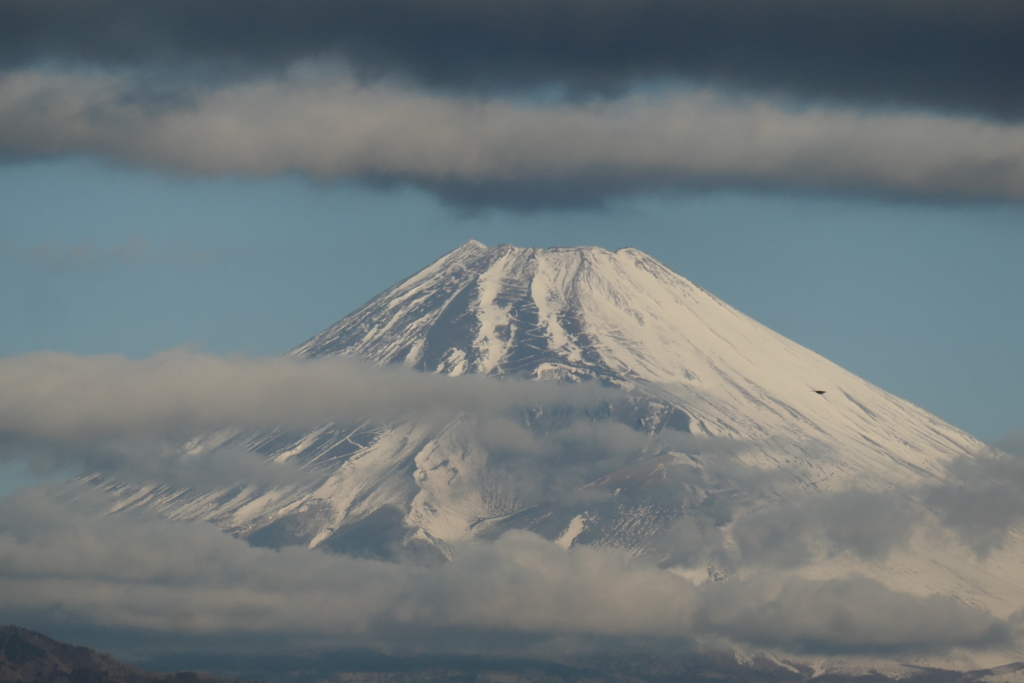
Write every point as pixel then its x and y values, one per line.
pixel 819 392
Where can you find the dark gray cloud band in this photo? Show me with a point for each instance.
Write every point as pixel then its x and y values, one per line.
pixel 935 53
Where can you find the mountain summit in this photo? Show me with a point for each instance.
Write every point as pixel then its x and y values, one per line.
pixel 718 425
pixel 571 314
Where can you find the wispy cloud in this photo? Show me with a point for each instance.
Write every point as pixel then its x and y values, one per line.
pixel 66 397
pixel 984 498
pixel 330 127
pixel 1012 443
pixel 130 417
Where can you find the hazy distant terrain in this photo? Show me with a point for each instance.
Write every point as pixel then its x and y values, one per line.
pixel 30 657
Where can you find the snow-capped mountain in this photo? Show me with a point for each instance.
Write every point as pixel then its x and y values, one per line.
pixel 719 417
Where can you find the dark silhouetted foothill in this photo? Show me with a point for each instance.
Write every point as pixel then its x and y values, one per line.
pixel 30 657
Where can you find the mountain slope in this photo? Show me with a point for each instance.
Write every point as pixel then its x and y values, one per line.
pixel 720 418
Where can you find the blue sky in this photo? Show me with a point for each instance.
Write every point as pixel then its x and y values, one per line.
pixel 919 297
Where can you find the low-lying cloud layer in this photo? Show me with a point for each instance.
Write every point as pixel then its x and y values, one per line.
pixel 69 563
pixel 75 566
pixel 866 523
pixel 130 419
pixel 511 152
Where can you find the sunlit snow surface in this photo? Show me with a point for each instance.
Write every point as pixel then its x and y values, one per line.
pixel 687 361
